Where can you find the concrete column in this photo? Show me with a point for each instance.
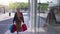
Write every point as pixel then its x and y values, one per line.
pixel 29 8
pixel 33 13
pixel 38 18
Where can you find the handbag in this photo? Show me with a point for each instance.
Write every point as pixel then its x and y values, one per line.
pixel 12 28
pixel 23 27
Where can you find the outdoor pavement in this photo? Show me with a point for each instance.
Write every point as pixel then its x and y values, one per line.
pixel 52 29
pixel 6 16
pixel 6 21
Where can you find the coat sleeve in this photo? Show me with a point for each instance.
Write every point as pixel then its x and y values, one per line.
pixel 22 17
pixel 14 18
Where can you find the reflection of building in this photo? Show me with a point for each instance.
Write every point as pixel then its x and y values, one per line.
pixel 3 9
pixel 55 27
pixel 56 5
pixel 56 8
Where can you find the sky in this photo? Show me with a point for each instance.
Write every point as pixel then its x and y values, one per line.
pixel 6 2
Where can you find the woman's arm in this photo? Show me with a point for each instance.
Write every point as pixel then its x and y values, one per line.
pixel 22 18
pixel 14 18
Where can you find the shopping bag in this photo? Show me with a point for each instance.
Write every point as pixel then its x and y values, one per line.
pixel 12 28
pixel 24 27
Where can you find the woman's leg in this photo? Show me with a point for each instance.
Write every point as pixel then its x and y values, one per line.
pixel 18 25
pixel 17 32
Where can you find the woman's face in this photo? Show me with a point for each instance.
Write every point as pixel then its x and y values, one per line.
pixel 18 10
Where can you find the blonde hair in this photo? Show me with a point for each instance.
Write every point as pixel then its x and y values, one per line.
pixel 18 8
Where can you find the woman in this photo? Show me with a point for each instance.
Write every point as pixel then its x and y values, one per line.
pixel 51 17
pixel 18 19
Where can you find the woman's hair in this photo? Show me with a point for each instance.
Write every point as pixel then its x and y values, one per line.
pixel 17 8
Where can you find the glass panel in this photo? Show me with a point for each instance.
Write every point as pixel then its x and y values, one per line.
pixel 42 11
pixel 6 18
